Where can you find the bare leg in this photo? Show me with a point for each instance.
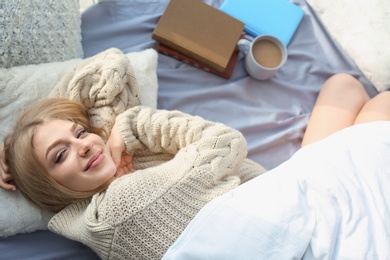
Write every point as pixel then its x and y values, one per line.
pixel 377 109
pixel 338 105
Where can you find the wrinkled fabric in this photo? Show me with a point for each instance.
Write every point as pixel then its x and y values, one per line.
pixel 331 200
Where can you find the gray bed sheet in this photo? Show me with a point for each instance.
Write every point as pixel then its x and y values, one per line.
pixel 271 114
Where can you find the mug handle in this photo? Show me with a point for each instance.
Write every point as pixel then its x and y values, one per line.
pixel 244 45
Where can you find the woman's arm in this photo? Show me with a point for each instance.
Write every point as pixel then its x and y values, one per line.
pixel 172 131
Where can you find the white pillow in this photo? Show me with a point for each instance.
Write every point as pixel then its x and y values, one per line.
pixel 361 28
pixel 34 32
pixel 25 85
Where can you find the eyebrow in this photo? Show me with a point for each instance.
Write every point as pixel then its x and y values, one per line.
pixel 72 128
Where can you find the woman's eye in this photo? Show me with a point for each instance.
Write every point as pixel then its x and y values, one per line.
pixel 59 156
pixel 80 133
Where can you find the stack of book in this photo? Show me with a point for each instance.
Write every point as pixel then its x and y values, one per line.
pixel 199 34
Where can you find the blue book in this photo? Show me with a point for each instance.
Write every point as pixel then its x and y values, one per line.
pixel 279 18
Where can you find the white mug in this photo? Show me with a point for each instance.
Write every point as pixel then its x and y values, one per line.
pixel 263 56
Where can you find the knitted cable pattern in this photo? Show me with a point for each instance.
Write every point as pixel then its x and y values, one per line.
pixel 140 215
pixel 105 84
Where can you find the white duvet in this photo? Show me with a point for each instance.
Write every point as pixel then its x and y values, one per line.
pixel 331 200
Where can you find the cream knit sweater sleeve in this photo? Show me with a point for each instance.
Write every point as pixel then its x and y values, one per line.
pixel 141 214
pixel 169 131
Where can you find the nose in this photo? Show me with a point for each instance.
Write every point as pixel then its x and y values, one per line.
pixel 84 146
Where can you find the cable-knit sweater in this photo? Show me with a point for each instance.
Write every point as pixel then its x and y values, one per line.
pixel 182 163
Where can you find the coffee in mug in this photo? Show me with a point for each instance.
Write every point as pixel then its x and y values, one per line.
pixel 265 56
pixel 267 53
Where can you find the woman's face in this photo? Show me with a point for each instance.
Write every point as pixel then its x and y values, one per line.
pixel 76 159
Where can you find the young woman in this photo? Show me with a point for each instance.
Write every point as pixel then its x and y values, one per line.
pixel 330 200
pixel 182 162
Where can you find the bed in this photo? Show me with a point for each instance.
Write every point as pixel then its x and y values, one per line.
pixel 271 114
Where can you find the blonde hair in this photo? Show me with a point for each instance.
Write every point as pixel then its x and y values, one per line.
pixel 30 176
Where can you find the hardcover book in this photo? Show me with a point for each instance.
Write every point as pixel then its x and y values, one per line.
pixel 200 31
pixel 279 18
pixel 226 74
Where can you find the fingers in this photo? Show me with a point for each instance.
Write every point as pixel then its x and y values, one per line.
pixel 122 170
pixel 127 163
pixel 128 169
pixel 125 166
pixel 126 159
pixel 6 180
pixel 7 186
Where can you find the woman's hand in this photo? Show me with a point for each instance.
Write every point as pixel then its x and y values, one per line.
pixel 6 180
pixel 125 165
pixel 116 145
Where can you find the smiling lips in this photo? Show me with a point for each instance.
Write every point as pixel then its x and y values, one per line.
pixel 94 161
